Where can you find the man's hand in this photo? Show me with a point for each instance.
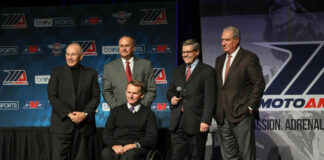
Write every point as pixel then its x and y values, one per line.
pixel 175 100
pixel 204 127
pixel 118 149
pixel 129 146
pixel 77 117
pixel 251 111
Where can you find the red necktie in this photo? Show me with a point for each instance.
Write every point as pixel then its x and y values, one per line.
pixel 128 72
pixel 228 64
pixel 188 72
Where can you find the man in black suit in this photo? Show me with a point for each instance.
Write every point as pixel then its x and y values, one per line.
pixel 240 86
pixel 131 129
pixel 74 94
pixel 192 97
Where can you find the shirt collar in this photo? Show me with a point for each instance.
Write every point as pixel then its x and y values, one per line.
pixel 131 60
pixel 136 108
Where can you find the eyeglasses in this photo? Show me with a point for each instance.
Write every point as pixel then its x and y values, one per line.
pixel 183 52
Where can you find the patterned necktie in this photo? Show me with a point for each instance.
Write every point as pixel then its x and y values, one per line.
pixel 188 72
pixel 128 72
pixel 132 109
pixel 228 64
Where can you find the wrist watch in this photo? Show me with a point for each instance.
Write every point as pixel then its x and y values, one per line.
pixel 137 145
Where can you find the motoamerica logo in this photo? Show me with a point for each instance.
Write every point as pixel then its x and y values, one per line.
pixel 299 83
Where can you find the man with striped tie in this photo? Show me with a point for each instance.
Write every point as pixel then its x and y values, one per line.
pixel 192 97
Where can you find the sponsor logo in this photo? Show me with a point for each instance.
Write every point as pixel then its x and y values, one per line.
pixel 122 16
pixel 160 107
pixel 15 77
pixel 105 107
pixel 139 49
pixel 32 49
pixel 92 21
pixel 42 79
pixel 56 48
pixel 159 75
pixel 13 21
pixel 154 16
pixel 8 50
pixel 55 22
pixel 89 48
pixel 33 105
pixel 298 84
pixel 9 105
pixel 161 48
pixel 44 22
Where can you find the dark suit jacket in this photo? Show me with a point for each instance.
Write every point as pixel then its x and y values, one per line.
pixel 243 87
pixel 114 81
pixel 198 97
pixel 61 94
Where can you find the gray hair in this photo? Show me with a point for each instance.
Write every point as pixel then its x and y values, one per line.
pixel 194 43
pixel 236 31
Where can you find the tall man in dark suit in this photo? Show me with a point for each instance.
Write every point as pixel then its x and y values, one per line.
pixel 74 94
pixel 240 86
pixel 119 72
pixel 131 129
pixel 192 97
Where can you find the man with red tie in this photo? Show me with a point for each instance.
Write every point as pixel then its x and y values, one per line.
pixel 119 72
pixel 192 97
pixel 240 86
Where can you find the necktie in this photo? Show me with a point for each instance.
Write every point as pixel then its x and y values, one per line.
pixel 188 72
pixel 228 64
pixel 128 72
pixel 132 109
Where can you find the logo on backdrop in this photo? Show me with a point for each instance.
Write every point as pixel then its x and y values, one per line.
pixel 161 48
pixel 160 107
pixel 92 21
pixel 89 48
pixel 55 22
pixel 9 105
pixel 159 75
pixel 139 49
pixel 33 105
pixel 13 21
pixel 42 79
pixel 32 49
pixel 122 16
pixel 8 50
pixel 15 77
pixel 153 16
pixel 299 83
pixel 56 48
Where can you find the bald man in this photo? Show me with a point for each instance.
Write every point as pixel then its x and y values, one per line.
pixel 73 92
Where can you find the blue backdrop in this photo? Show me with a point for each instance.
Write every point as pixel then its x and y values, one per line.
pixel 33 41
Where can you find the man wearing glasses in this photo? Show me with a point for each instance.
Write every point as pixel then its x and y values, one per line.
pixel 192 97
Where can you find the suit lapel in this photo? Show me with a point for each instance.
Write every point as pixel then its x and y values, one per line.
pixel 120 69
pixel 234 65
pixel 69 80
pixel 195 72
pixel 135 69
pixel 82 76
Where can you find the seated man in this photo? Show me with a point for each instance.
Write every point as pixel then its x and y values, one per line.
pixel 130 130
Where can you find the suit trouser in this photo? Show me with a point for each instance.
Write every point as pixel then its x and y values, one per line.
pixel 69 146
pixel 237 139
pixel 133 154
pixel 184 144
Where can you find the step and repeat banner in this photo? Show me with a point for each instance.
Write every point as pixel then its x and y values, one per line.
pixel 290 46
pixel 33 41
